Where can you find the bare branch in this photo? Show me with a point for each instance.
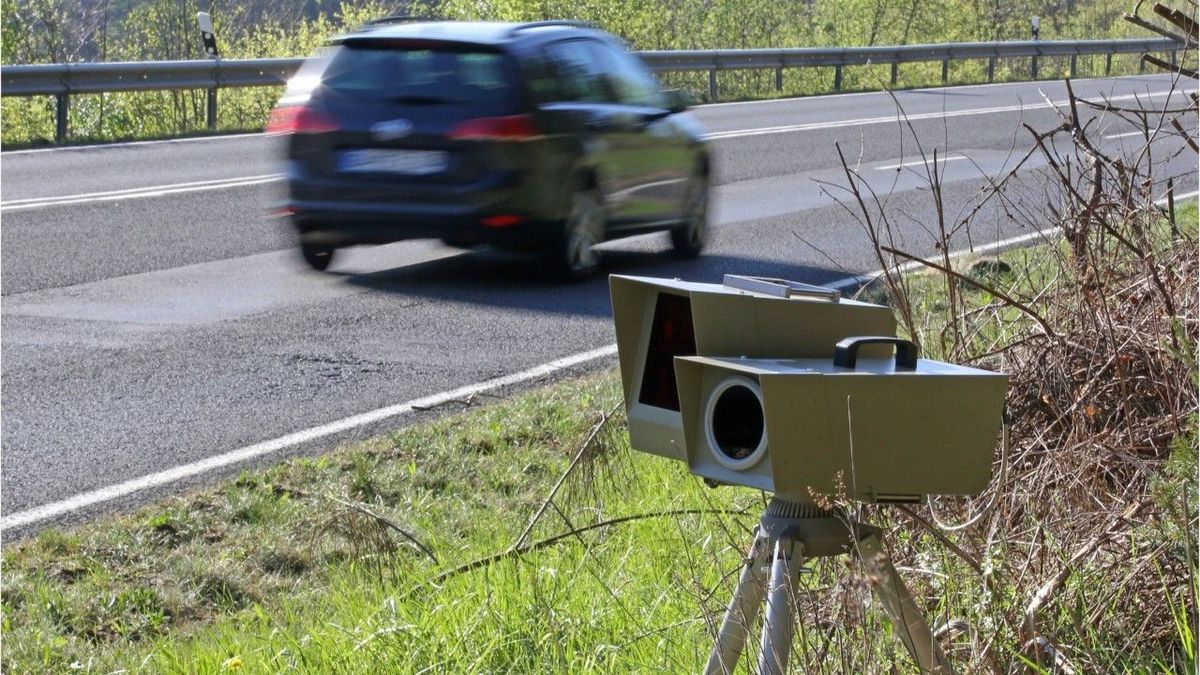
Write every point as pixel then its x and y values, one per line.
pixel 1025 309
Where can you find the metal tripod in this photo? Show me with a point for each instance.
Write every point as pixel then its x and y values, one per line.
pixel 788 533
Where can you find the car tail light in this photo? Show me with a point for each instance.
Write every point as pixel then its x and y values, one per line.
pixel 503 220
pixel 509 128
pixel 298 119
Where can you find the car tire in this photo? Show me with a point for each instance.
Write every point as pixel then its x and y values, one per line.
pixel 583 228
pixel 690 237
pixel 318 256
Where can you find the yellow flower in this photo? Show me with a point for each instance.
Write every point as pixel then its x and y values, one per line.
pixel 232 663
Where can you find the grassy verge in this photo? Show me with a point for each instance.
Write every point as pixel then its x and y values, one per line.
pixel 407 554
pixel 304 566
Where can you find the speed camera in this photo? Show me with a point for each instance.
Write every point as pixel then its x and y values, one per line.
pixel 788 388
pixel 876 430
pixel 657 320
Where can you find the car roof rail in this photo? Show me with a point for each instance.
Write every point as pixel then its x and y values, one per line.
pixel 572 23
pixel 393 19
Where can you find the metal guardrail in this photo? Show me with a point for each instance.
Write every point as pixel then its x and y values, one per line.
pixel 62 80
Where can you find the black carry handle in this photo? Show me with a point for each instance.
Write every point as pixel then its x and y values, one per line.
pixel 845 355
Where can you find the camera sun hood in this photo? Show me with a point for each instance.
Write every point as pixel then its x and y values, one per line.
pixel 659 319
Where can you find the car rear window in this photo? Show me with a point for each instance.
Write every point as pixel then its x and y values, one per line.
pixel 419 73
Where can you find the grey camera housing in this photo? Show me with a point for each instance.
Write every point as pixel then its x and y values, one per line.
pixel 875 431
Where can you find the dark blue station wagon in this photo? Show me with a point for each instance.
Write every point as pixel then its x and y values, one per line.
pixel 545 136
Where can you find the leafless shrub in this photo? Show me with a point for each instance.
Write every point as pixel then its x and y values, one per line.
pixel 1099 341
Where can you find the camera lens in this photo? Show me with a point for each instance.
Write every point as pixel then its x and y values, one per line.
pixel 735 423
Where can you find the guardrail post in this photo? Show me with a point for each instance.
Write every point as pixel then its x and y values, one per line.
pixel 1108 64
pixel 779 78
pixel 1073 57
pixel 61 108
pixel 1142 64
pixel 212 109
pixel 895 73
pixel 945 71
pixel 991 69
pixel 837 79
pixel 1174 57
pixel 712 85
pixel 1033 67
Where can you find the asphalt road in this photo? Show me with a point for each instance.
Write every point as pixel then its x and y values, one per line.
pixel 154 316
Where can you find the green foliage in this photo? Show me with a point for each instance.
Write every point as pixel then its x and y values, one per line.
pixel 156 30
pixel 48 31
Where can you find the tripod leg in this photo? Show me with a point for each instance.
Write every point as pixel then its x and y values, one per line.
pixel 909 621
pixel 781 592
pixel 743 609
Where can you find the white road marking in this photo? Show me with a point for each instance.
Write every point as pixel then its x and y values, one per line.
pixel 137 193
pixel 1154 135
pixel 156 191
pixel 914 117
pixel 983 248
pixel 919 162
pixel 45 511
pixel 901 92
pixel 127 144
pixel 1124 135
pixel 93 497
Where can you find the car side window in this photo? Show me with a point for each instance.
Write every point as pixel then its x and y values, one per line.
pixel 578 74
pixel 539 78
pixel 631 81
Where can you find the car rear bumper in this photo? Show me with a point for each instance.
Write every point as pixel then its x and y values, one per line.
pixel 336 211
pixel 341 224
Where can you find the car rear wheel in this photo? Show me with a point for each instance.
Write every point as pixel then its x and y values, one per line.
pixel 583 229
pixel 689 239
pixel 318 256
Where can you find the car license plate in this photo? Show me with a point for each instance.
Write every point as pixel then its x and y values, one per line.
pixel 412 162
